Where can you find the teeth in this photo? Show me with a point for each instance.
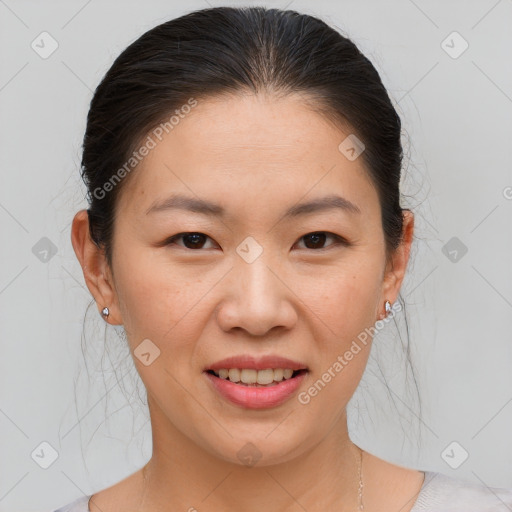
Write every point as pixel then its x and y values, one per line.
pixel 262 376
pixel 234 375
pixel 250 376
pixel 287 373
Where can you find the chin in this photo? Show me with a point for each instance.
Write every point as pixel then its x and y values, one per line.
pixel 260 450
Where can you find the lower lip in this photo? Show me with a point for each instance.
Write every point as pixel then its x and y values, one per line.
pixel 254 397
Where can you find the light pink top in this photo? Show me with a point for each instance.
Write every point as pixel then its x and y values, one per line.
pixel 439 493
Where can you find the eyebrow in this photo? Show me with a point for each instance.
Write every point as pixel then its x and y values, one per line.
pixel 204 207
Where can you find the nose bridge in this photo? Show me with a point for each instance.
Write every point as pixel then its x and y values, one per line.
pixel 258 302
pixel 257 282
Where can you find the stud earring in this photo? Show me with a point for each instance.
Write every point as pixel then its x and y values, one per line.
pixel 105 312
pixel 387 305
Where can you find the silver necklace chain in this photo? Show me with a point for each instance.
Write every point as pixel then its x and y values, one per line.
pixel 360 489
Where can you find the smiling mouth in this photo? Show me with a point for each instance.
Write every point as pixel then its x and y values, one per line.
pixel 254 378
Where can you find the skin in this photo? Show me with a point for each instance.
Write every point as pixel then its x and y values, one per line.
pixel 256 156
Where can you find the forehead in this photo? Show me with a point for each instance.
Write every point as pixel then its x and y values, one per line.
pixel 250 149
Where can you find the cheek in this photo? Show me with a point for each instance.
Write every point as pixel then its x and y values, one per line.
pixel 152 298
pixel 343 299
pixel 344 312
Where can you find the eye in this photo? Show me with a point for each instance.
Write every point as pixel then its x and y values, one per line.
pixel 192 240
pixel 195 240
pixel 318 238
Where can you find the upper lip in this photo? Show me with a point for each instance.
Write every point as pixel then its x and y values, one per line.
pixel 256 363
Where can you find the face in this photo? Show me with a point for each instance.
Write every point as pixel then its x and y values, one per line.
pixel 194 287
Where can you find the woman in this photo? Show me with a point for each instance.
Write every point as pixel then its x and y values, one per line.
pixel 245 227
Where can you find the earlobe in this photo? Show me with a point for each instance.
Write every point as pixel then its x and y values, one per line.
pixel 94 267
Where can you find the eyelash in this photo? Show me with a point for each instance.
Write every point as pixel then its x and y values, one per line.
pixel 338 240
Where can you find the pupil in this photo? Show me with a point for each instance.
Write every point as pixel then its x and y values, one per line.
pixel 196 238
pixel 316 237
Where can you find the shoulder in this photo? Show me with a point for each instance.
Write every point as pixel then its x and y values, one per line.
pixel 443 493
pixel 79 505
pixel 120 496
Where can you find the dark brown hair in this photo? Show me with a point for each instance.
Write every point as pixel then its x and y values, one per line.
pixel 228 50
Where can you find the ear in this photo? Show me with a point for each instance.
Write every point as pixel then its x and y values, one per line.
pixel 97 273
pixel 397 264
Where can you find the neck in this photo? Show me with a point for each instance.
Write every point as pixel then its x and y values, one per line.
pixel 181 474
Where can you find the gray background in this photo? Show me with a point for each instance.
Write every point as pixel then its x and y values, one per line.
pixel 457 116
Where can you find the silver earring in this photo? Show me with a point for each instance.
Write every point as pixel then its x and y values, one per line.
pixel 105 312
pixel 387 305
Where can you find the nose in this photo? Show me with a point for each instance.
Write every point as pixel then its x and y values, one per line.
pixel 256 298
